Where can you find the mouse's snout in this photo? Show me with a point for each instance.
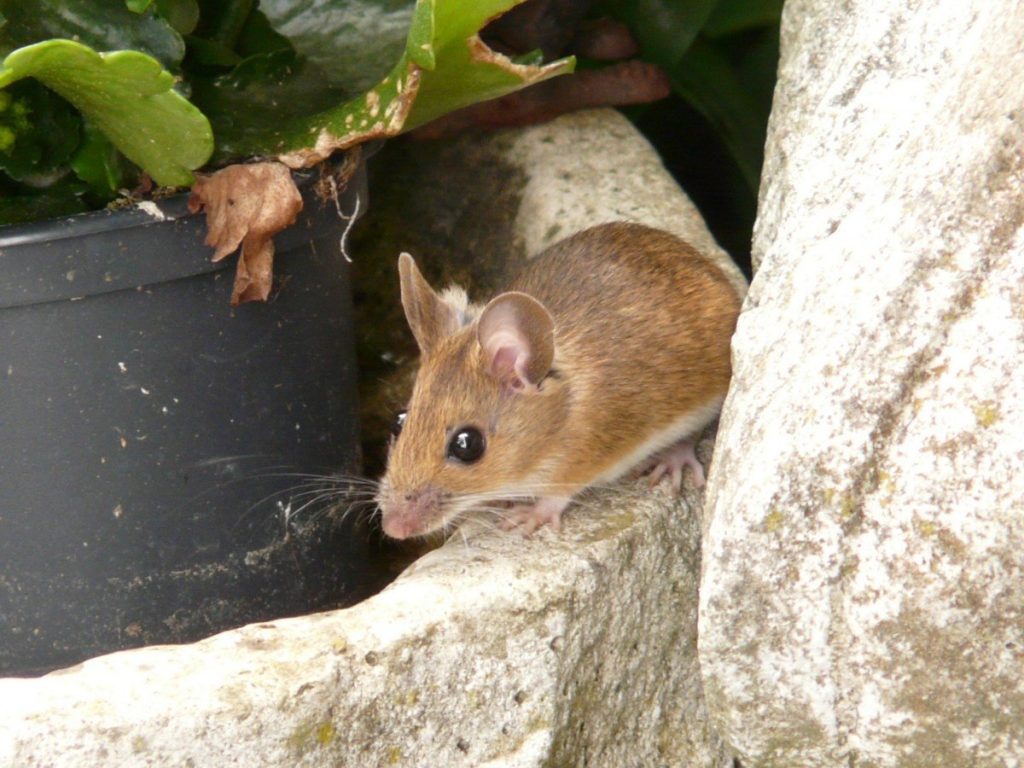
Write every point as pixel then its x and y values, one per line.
pixel 407 513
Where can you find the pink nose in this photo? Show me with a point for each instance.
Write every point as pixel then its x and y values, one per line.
pixel 411 513
pixel 399 526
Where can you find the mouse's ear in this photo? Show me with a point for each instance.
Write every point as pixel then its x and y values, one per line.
pixel 430 317
pixel 517 340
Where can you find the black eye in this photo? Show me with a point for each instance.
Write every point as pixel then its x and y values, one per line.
pixel 398 423
pixel 467 445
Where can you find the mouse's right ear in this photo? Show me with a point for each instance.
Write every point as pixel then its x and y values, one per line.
pixel 429 316
pixel 516 336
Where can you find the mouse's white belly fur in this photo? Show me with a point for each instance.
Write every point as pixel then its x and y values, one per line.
pixel 542 482
pixel 683 427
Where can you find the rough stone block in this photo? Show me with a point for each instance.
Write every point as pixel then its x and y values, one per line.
pixel 862 600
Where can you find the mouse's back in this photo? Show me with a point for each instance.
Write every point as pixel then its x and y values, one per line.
pixel 643 325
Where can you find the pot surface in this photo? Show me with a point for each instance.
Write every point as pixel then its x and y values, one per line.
pixel 156 441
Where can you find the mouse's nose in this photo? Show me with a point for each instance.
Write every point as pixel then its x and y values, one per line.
pixel 409 513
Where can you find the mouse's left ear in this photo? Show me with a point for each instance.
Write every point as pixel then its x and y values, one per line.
pixel 517 340
pixel 431 316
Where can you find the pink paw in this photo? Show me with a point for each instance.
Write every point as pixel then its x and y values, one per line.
pixel 671 461
pixel 527 518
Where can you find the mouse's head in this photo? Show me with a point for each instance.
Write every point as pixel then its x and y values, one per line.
pixel 486 409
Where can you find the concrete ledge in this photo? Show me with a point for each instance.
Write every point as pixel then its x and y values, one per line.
pixel 495 651
pixel 569 649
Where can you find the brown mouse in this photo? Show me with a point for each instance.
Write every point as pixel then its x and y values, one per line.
pixel 608 351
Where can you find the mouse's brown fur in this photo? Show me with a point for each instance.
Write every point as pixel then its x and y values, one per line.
pixel 640 325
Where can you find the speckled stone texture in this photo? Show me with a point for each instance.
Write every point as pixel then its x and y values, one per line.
pixel 572 183
pixel 570 649
pixel 862 596
pixel 573 649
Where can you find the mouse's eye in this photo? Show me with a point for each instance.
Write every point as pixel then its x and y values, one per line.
pixel 398 423
pixel 467 445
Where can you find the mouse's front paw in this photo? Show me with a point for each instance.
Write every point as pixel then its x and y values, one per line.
pixel 527 518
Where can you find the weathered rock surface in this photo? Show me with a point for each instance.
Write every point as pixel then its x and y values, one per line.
pixel 569 649
pixel 594 168
pixel 560 650
pixel 862 600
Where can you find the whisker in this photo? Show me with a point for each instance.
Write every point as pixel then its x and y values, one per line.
pixel 316 498
pixel 229 459
pixel 312 489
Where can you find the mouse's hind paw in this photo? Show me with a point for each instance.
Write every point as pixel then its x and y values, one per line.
pixel 670 462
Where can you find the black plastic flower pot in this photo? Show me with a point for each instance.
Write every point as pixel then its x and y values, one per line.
pixel 153 438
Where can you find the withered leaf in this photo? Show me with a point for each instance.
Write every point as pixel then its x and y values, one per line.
pixel 247 205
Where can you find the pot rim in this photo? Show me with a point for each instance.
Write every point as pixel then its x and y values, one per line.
pixel 86 254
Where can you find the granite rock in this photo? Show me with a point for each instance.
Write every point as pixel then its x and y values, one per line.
pixel 862 595
pixel 571 649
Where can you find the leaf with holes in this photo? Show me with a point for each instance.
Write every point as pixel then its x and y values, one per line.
pixel 443 66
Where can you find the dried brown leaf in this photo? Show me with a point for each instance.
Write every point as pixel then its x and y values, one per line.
pixel 255 273
pixel 247 205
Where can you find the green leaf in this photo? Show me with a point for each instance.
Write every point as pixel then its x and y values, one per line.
pixel 442 67
pixel 127 96
pixel 533 58
pixel 664 28
pixel 204 53
pixel 182 15
pixel 103 25
pixel 222 21
pixel 98 163
pixel 354 43
pixel 728 79
pixel 465 71
pixel 258 36
pixel 257 97
pixel 732 16
pixel 38 132
pixel 706 79
pixel 755 64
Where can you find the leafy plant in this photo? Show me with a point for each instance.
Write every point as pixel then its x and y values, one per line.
pixel 720 56
pixel 95 95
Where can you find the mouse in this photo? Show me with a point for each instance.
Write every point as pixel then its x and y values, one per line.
pixel 605 356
